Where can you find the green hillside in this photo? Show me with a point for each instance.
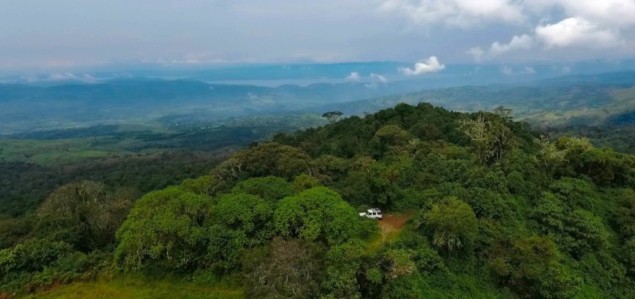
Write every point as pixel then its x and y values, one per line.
pixel 492 210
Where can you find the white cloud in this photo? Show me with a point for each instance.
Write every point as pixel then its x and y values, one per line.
pixel 584 24
pixel 430 65
pixel 378 78
pixel 609 13
pixel 353 77
pixel 570 32
pixel 579 32
pixel 466 13
pixel 456 13
pixel 516 43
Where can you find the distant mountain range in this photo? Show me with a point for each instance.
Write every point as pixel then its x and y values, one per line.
pixel 149 101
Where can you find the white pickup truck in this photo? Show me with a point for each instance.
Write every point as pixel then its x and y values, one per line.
pixel 372 213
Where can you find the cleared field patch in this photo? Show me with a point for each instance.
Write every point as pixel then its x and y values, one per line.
pixel 390 227
pixel 53 152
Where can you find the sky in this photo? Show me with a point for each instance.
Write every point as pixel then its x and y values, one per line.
pixel 427 33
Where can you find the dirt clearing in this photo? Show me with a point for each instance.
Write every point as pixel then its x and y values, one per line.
pixel 391 225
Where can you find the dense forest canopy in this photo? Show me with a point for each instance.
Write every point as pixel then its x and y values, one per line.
pixel 493 210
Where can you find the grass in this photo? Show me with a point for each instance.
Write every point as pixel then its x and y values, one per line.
pixel 51 152
pixel 139 288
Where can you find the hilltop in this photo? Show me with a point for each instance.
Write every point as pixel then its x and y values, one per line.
pixel 497 211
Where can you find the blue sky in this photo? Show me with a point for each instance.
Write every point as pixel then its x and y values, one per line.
pixel 429 33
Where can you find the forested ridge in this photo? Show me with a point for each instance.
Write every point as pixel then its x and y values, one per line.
pixel 495 209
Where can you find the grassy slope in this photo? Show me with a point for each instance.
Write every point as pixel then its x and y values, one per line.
pixel 139 288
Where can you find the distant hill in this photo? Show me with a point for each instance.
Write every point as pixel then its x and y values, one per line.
pixel 546 102
pixel 588 99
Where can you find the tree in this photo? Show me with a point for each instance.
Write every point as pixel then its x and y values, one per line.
pixel 549 155
pixel 531 267
pixel 248 215
pixel 333 116
pixel 266 159
pixel 270 188
pixel 577 231
pixel 204 185
pixel 31 256
pixel 317 214
pixel 83 214
pixel 452 223
pixel 628 255
pixel 304 182
pixel 390 137
pixel 290 270
pixel 503 113
pixel 169 226
pixel 344 270
pixel 490 136
pixel 399 263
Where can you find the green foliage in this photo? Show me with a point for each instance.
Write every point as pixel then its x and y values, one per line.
pixel 270 188
pixel 304 182
pixel 531 266
pixel 344 270
pixel 576 193
pixel 604 166
pixel 171 226
pixel 24 185
pixel 452 224
pixel 405 287
pixel 481 195
pixel 399 262
pixel 272 159
pixel 575 230
pixel 38 263
pixel 204 185
pixel 290 270
pixel 390 137
pixel 83 214
pixel 329 168
pixel 246 214
pixel 318 214
pixel 32 256
pixel 628 256
pixel 12 230
pixel 490 136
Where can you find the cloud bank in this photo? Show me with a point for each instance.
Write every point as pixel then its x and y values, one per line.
pixel 55 35
pixel 577 32
pixel 456 13
pixel 430 65
pixel 542 25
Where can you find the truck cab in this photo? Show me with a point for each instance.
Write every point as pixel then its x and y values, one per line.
pixel 372 213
